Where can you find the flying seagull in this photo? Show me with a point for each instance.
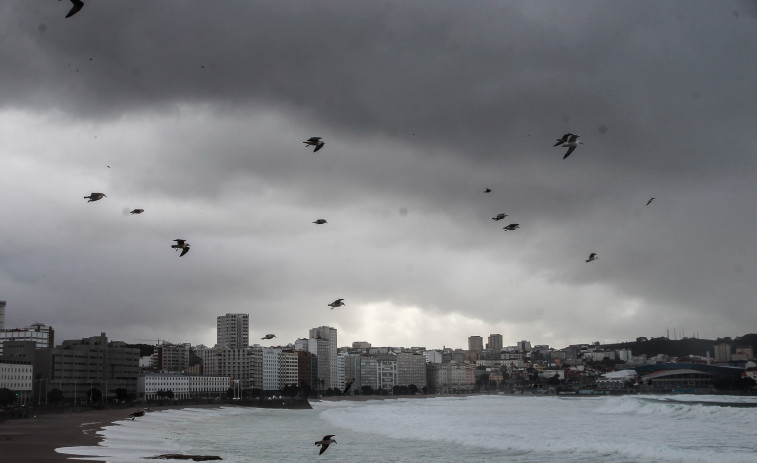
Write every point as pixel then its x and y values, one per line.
pixel 562 140
pixel 512 226
pixel 336 303
pixel 650 201
pixel 268 336
pixel 314 141
pixel 137 211
pixel 78 5
pixel 572 143
pixel 347 385
pixel 95 197
pixel 487 190
pixel 592 256
pixel 324 443
pixel 181 244
pixel 320 221
pixel 500 216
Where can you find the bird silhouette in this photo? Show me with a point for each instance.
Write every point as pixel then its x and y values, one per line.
pixel 78 5
pixel 336 303
pixel 347 385
pixel 324 443
pixel 181 244
pixel 572 143
pixel 95 197
pixel 562 140
pixel 314 141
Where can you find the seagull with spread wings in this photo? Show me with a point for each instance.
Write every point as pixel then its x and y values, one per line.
pixel 314 141
pixel 181 244
pixel 325 442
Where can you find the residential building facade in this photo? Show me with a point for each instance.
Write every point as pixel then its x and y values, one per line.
pixel 81 365
pixel 411 369
pixel 475 343
pixel 233 330
pixel 42 335
pixel 17 376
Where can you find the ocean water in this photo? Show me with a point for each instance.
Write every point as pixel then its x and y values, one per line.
pixel 619 429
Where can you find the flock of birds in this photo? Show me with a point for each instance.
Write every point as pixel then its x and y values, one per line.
pixel 568 140
pixel 183 245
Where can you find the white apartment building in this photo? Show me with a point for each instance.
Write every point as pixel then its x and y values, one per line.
pixel 280 369
pixel 722 352
pixel 597 355
pixel 289 372
pixel 624 355
pixel 340 368
pixel 433 356
pixel 271 368
pixel 233 330
pixel 455 377
pixel 221 361
pixel 386 366
pixel 18 377
pixel 182 386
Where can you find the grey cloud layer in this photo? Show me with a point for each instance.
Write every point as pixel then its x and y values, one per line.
pixel 421 105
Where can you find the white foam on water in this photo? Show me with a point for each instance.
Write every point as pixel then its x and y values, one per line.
pixel 598 429
pixel 155 433
pixel 610 429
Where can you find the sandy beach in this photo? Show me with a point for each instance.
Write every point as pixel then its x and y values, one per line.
pixel 34 440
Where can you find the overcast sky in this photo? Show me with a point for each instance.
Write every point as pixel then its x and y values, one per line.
pixel 196 113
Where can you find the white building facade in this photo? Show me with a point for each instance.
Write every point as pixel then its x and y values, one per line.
pixel 17 376
pixel 182 386
pixel 233 330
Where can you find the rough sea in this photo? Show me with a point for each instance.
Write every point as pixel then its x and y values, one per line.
pixel 618 429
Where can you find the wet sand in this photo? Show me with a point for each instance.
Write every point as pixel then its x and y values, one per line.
pixel 34 440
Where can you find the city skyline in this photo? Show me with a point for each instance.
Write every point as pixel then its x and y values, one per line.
pixel 199 120
pixel 241 338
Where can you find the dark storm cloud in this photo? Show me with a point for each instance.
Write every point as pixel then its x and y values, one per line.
pixel 201 112
pixel 450 73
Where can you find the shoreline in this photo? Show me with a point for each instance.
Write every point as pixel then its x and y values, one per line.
pixel 35 440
